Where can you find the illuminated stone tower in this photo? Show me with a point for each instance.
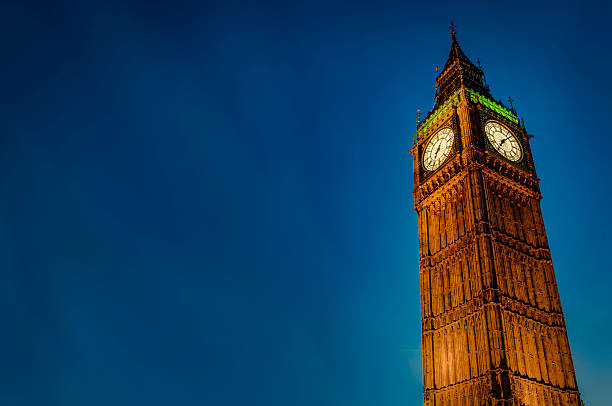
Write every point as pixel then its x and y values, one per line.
pixel 493 331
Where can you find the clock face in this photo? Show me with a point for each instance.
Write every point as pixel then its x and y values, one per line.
pixel 438 149
pixel 503 141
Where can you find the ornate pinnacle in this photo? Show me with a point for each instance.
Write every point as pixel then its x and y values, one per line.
pixel 510 100
pixel 452 30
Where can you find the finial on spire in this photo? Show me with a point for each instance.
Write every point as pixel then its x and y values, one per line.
pixel 452 30
pixel 510 100
pixel 418 117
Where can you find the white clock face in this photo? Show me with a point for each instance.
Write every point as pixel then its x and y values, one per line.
pixel 503 141
pixel 438 149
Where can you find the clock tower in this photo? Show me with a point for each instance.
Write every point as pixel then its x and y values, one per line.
pixel 493 331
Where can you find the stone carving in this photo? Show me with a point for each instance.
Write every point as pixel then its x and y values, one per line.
pixel 492 323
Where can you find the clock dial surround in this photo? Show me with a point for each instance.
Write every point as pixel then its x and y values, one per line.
pixel 503 141
pixel 438 149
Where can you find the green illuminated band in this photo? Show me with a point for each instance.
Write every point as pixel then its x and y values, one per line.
pixel 476 98
pixel 491 105
pixel 454 99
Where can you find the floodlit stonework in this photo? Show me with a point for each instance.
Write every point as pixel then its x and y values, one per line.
pixel 493 331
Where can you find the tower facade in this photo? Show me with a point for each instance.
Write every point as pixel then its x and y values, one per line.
pixel 493 331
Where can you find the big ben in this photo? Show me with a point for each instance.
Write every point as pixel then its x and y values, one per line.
pixel 493 331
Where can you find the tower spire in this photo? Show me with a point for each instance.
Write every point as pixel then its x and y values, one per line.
pixel 457 71
pixel 455 52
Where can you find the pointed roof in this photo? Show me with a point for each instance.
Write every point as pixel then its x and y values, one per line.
pixel 455 52
pixel 466 74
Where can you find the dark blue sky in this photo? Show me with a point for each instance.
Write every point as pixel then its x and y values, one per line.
pixel 210 204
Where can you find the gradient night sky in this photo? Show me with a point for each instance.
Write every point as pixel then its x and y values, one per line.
pixel 210 204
